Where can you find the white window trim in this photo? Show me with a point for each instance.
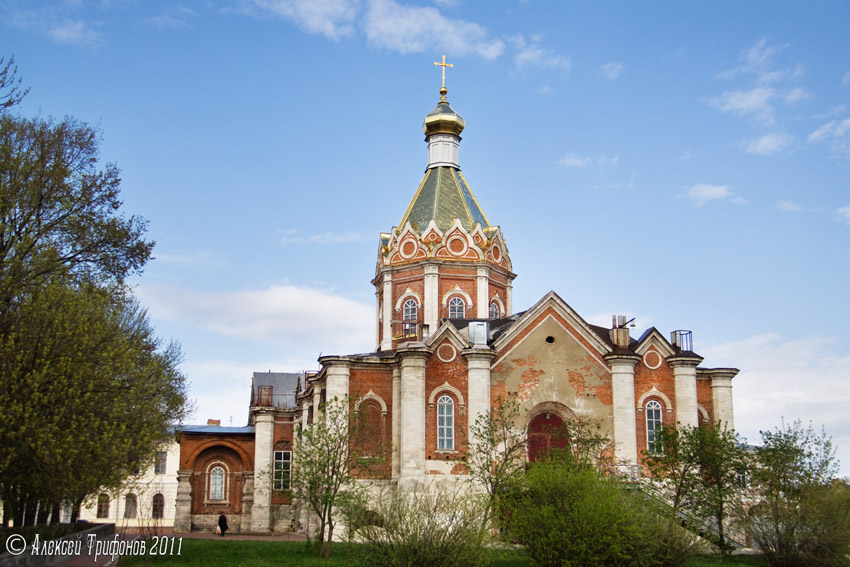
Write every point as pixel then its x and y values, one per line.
pixel 457 300
pixel 650 444
pixel 446 387
pixel 460 292
pixel 408 294
pixel 275 470
pixel 655 393
pixel 371 395
pixel 450 428
pixel 208 494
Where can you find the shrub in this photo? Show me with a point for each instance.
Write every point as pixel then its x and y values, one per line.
pixel 568 515
pixel 433 528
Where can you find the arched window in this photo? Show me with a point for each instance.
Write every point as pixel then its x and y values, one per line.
pixel 409 317
pixel 217 483
pixel 158 506
pixel 445 423
pixel 103 506
pixel 653 425
pixel 130 506
pixel 457 308
pixel 494 310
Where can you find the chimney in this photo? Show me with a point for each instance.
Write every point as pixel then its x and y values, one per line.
pixel 214 422
pixel 619 332
pixel 683 340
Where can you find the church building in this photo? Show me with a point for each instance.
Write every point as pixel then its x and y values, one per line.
pixel 449 344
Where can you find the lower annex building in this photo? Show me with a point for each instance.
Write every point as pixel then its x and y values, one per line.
pixel 448 344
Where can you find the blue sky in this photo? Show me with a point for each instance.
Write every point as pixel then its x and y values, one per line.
pixel 684 163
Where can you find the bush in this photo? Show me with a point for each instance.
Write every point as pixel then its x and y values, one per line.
pixel 568 515
pixel 800 515
pixel 434 528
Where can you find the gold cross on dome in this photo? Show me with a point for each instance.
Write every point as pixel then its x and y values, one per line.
pixel 444 65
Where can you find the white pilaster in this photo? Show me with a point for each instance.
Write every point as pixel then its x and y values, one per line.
pixel 483 293
pixel 183 513
pixel 387 322
pixel 685 379
pixel 396 422
pixel 509 299
pixel 432 296
pixel 478 372
pixel 247 502
pixel 623 392
pixel 721 395
pixel 337 378
pixel 263 448
pixel 412 434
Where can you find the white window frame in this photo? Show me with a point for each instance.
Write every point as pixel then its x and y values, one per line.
pixel 154 510
pixel 457 303
pixel 494 310
pixel 131 504
pixel 445 423
pixel 212 489
pixel 654 421
pixel 160 466
pixel 282 470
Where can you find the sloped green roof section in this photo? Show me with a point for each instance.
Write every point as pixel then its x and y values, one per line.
pixel 443 195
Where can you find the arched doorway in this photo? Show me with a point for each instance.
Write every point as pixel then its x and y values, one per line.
pixel 546 431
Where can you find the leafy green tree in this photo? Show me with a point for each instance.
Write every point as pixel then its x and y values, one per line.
pixel 59 213
pixel 499 449
pixel 10 84
pixel 723 468
pixel 89 394
pixel 801 515
pixel 328 451
pixel 699 471
pixel 676 464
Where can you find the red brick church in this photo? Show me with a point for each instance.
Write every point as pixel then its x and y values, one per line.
pixel 448 344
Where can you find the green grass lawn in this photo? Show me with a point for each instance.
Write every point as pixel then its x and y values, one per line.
pixel 232 553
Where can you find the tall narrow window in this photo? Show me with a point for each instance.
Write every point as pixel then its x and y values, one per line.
pixel 445 423
pixel 410 315
pixel 161 463
pixel 158 506
pixel 282 469
pixel 217 483
pixel 457 308
pixel 103 506
pixel 130 506
pixel 653 425
pixel 494 310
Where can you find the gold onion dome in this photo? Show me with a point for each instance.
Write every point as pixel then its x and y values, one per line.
pixel 443 119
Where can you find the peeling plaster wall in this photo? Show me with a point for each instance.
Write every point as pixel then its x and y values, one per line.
pixel 560 371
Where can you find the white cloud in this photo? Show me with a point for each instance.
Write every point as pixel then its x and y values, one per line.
pixel 205 262
pixel 294 319
pixel 769 144
pixel 575 160
pixel 333 19
pixel 803 378
pixel 416 29
pixel 545 90
pixel 754 102
pixel 758 61
pixel 845 81
pixel 291 237
pixel 176 18
pixel 789 206
pixel 532 54
pixel 702 193
pixel 687 155
pixel 797 94
pixel 832 129
pixel 612 70
pixel 76 33
pixel 844 214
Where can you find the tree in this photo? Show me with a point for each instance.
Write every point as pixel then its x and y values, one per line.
pixel 499 449
pixel 699 471
pixel 10 85
pixel 89 394
pixel 60 214
pixel 677 464
pixel 327 452
pixel 801 515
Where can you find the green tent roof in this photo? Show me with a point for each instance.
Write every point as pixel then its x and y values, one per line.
pixel 443 196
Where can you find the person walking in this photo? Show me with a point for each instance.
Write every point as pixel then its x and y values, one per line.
pixel 222 524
